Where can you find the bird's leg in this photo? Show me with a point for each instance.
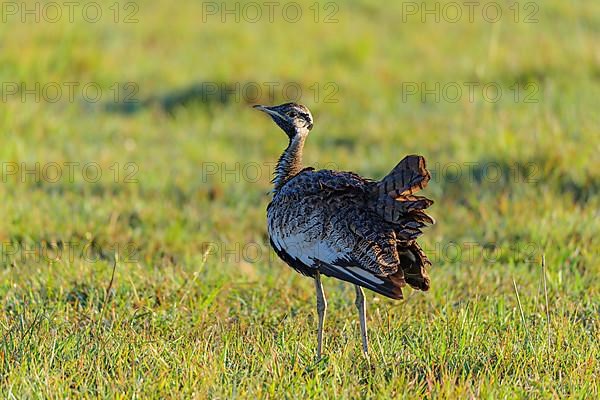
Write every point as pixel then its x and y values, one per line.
pixel 362 315
pixel 321 308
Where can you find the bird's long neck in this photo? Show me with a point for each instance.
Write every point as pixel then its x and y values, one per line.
pixel 290 162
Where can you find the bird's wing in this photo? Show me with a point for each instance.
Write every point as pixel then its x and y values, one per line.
pixel 372 261
pixel 323 220
pixel 342 240
pixel 380 261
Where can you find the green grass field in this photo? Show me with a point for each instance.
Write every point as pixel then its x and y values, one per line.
pixel 135 259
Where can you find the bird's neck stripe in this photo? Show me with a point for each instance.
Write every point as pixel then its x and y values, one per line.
pixel 290 162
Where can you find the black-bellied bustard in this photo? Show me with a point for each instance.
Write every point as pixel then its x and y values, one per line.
pixel 342 225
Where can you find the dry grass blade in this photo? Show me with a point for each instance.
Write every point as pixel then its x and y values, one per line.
pixel 546 300
pixel 527 340
pixel 110 284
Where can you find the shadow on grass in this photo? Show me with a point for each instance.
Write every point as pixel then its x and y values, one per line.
pixel 200 94
pixel 501 175
pixel 205 94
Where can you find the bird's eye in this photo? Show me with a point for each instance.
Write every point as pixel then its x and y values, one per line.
pixel 292 114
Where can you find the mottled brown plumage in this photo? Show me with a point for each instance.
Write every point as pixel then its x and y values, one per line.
pixel 342 225
pixel 325 213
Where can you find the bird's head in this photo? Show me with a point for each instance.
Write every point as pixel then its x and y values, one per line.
pixel 295 119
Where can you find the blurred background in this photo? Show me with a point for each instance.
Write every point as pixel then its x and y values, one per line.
pixel 130 150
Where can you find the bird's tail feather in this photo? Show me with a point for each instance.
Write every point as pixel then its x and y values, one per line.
pixel 413 263
pixel 406 178
pixel 394 198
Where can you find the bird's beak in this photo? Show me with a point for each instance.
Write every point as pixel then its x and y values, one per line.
pixel 268 110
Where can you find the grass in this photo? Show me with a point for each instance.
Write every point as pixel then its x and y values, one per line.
pixel 170 288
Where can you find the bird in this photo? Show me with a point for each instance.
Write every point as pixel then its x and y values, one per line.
pixel 341 225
